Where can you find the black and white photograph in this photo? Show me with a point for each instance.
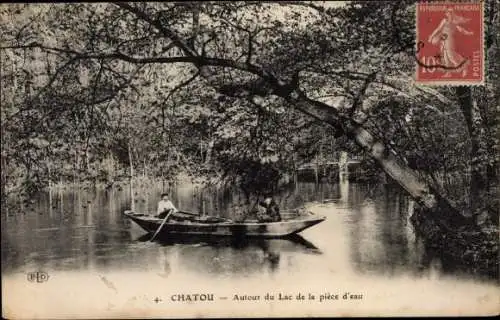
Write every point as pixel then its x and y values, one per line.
pixel 228 159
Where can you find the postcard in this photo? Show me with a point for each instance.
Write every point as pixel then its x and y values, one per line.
pixel 249 159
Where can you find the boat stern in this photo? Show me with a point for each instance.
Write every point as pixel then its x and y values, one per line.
pixel 307 223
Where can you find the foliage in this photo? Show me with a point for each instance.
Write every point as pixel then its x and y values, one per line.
pixel 245 90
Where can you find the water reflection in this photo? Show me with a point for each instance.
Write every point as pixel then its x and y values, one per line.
pixel 383 239
pixel 219 256
pixel 367 231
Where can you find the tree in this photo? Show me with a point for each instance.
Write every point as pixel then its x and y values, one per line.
pixel 299 59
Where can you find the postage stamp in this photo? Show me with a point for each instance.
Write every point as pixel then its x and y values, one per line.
pixel 450 49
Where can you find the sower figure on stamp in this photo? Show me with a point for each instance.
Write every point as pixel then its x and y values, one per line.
pixel 444 35
pixel 165 206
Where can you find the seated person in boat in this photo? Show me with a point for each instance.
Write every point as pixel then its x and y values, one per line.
pixel 268 210
pixel 165 206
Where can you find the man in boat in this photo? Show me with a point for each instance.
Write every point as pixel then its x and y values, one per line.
pixel 268 210
pixel 165 206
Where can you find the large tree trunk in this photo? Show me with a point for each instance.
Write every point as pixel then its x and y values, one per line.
pixel 442 210
pixel 470 111
pixel 419 190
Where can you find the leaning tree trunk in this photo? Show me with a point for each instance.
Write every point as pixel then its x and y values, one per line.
pixel 423 194
pixel 441 209
pixel 439 222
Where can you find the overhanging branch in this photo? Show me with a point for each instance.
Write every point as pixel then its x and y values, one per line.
pixel 157 24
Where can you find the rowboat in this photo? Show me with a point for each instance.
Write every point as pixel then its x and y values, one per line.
pixel 183 223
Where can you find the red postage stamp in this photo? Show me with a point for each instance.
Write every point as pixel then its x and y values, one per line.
pixel 450 47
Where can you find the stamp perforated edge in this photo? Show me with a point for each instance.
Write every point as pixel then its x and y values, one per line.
pixel 439 83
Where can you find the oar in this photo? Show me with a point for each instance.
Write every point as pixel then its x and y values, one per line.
pixel 161 225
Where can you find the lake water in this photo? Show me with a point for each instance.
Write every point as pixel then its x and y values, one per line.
pixel 95 257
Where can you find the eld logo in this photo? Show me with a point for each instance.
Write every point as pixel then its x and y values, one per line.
pixel 38 276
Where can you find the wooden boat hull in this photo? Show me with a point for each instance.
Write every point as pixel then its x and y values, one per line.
pixel 226 228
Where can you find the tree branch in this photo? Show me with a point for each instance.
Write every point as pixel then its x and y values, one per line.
pixel 310 5
pixel 177 87
pixel 361 94
pixel 158 24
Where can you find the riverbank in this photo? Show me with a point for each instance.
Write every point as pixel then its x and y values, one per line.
pixel 474 251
